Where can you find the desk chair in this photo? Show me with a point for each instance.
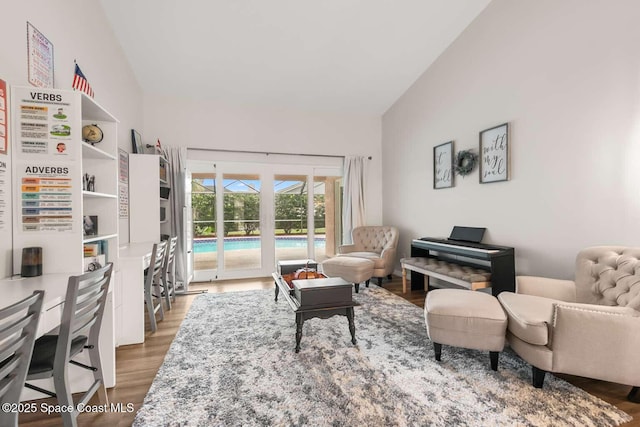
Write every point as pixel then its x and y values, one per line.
pixel 18 325
pixel 153 280
pixel 169 272
pixel 80 328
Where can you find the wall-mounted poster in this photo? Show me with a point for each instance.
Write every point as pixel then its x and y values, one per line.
pixel 43 123
pixel 494 154
pixel 44 127
pixel 443 165
pixel 5 194
pixel 46 197
pixel 39 58
pixel 4 141
pixel 123 183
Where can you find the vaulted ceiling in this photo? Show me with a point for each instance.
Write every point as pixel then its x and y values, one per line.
pixel 353 56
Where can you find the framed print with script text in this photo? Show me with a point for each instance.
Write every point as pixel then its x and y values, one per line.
pixel 443 165
pixel 494 154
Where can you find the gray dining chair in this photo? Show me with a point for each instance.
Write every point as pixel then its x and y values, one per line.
pixel 18 326
pixel 169 272
pixel 84 305
pixel 153 284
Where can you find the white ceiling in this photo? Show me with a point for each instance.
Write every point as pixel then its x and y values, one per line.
pixel 327 55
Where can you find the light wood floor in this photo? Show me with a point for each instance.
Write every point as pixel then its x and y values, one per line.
pixel 137 365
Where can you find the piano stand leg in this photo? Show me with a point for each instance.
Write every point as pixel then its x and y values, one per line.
pixel 426 283
pixel 404 280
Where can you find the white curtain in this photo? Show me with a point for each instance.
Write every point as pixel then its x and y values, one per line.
pixel 177 157
pixel 353 213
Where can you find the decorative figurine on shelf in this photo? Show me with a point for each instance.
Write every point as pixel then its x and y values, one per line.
pixel 156 148
pixel 89 182
pixel 90 225
pixel 92 134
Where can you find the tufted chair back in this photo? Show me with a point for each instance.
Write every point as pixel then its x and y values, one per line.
pixel 370 238
pixel 609 275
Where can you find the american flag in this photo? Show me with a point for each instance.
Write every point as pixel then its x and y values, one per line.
pixel 80 82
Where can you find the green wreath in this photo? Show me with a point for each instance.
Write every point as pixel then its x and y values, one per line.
pixel 465 162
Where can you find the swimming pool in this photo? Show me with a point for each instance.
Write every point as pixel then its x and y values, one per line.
pixel 237 243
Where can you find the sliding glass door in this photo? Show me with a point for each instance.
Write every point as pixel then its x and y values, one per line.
pixel 204 223
pixel 246 217
pixel 241 201
pixel 291 210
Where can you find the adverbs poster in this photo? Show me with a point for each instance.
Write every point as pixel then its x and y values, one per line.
pixel 46 193
pixel 44 125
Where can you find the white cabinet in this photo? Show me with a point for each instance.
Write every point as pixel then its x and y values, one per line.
pixel 148 218
pixel 134 259
pixel 149 204
pixel 50 162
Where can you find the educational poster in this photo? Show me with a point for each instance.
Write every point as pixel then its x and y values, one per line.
pixel 39 58
pixel 5 176
pixel 46 193
pixel 123 183
pixel 4 136
pixel 5 194
pixel 43 125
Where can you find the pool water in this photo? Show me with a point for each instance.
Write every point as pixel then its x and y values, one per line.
pixel 239 243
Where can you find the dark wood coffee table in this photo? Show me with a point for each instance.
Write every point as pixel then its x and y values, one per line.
pixel 322 298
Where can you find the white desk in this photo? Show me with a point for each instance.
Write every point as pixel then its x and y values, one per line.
pixel 134 258
pixel 55 290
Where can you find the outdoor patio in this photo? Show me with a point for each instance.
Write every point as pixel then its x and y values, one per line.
pixel 250 258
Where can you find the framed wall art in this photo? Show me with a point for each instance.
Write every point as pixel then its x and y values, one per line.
pixel 494 154
pixel 136 142
pixel 443 165
pixel 39 58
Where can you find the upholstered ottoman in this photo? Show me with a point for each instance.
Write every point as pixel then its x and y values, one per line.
pixel 351 269
pixel 468 319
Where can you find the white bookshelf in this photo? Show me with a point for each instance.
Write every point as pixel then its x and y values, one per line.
pixel 145 203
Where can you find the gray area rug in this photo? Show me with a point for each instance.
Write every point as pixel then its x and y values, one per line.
pixel 233 363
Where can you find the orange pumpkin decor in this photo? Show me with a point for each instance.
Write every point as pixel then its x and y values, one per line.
pixel 306 273
pixel 303 273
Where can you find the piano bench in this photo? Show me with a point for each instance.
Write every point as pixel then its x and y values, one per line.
pixel 461 275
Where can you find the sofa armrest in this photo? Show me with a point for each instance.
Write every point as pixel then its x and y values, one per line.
pixel 345 249
pixel 563 290
pixel 597 341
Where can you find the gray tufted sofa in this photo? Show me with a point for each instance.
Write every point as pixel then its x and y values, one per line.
pixel 589 327
pixel 377 243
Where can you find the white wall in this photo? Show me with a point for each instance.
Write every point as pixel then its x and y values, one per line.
pixel 566 76
pixel 78 30
pixel 206 124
